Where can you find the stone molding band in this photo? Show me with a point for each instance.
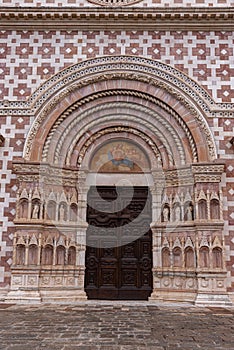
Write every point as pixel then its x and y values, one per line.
pixel 112 68
pixel 120 104
pixel 155 18
pixel 133 68
pixel 117 105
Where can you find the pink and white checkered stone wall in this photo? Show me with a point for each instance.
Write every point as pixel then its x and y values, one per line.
pixel 28 58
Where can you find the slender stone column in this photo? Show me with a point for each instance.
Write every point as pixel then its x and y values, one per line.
pixel 82 189
pixel 157 242
pixel 156 228
pixel 156 190
pixel 81 231
pixel 157 259
pixel 30 204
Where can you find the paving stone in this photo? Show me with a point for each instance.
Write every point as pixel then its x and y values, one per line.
pixel 98 327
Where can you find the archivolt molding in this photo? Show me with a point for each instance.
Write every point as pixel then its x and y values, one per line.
pixel 118 64
pixel 123 118
pixel 118 130
pixel 157 74
pixel 118 105
pixel 109 119
pixel 108 64
pixel 99 95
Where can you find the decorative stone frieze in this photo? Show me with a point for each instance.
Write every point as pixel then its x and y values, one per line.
pixel 198 18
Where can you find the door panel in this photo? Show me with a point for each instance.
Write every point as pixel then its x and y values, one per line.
pixel 119 260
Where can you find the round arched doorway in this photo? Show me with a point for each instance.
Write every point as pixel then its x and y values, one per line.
pixel 119 214
pixel 94 123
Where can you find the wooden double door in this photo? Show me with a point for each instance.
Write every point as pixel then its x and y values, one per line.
pixel 119 243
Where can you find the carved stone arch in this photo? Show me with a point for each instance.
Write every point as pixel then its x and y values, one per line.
pixel 108 73
pixel 47 255
pixel 156 109
pixel 217 257
pixel 65 79
pixel 71 259
pixel 122 98
pixel 155 120
pixel 204 257
pixel 23 208
pixel 215 209
pixel 166 257
pixel 20 254
pixel 51 210
pixel 92 144
pixel 60 255
pixel 65 138
pixel 33 254
pixel 202 209
pixel 177 257
pixel 188 210
pixel 189 257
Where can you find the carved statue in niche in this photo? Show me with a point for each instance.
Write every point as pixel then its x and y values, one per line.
pixel 60 255
pixel 166 257
pixel 177 257
pixel 177 213
pixel 32 255
pixel 202 210
pixel 72 256
pixel 204 257
pixel 189 213
pixel 51 210
pixel 217 257
pixel 189 258
pixel 35 211
pixel 47 255
pixel 61 213
pixel 73 212
pixel 166 213
pixel 214 209
pixel 23 209
pixel 20 254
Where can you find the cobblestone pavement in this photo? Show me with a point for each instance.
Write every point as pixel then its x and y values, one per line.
pixel 115 325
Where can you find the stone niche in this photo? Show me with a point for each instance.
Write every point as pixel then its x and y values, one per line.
pixel 49 243
pixel 47 266
pixel 188 244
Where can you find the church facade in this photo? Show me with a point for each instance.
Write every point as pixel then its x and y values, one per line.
pixel 117 151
